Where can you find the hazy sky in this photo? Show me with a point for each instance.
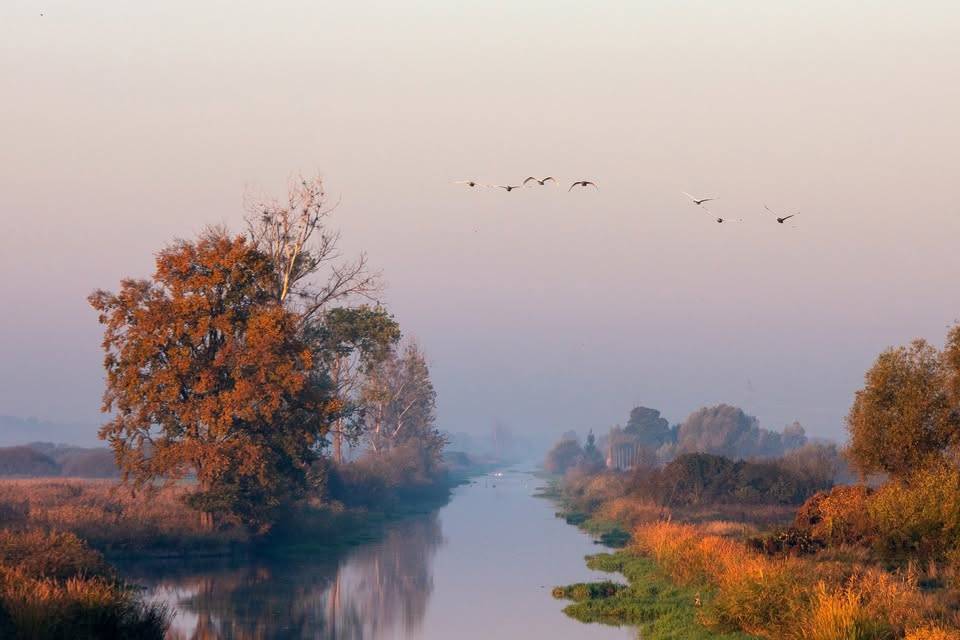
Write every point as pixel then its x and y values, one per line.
pixel 126 124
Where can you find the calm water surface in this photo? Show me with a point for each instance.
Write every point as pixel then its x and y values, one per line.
pixel 482 566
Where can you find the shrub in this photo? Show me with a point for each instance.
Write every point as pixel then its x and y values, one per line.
pixel 839 516
pixel 919 515
pixel 382 479
pixel 58 555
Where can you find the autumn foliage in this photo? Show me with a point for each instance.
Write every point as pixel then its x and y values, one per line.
pixel 207 375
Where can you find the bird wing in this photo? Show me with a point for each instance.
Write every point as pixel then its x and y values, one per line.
pixel 551 178
pixel 788 217
pixel 769 209
pixel 572 186
pixel 702 200
pixel 688 195
pixel 526 180
pixel 592 184
pixel 463 181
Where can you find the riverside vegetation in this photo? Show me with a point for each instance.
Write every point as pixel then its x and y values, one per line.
pixel 789 546
pixel 237 375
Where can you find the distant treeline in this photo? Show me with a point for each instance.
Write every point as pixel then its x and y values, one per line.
pixel 721 430
pixel 44 460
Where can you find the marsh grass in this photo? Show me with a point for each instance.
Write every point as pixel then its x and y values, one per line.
pixel 659 608
pixel 788 597
pixel 112 518
pixel 52 585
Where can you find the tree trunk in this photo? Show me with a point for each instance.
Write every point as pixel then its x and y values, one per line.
pixel 338 442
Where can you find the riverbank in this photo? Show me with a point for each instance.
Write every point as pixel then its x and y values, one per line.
pixel 651 601
pixel 53 585
pixel 60 538
pixel 156 521
pixel 694 577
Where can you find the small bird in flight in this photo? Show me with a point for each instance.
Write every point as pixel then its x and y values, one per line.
pixel 779 219
pixel 509 187
pixel 540 181
pixel 469 183
pixel 584 184
pixel 697 201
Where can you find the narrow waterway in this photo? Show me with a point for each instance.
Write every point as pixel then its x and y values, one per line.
pixel 482 566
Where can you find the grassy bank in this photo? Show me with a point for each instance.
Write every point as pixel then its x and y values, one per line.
pixel 660 609
pixel 113 519
pixel 693 576
pixel 52 585
pixel 157 522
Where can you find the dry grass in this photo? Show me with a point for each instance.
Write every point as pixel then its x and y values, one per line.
pixel 109 516
pixel 631 513
pixel 52 585
pixel 792 598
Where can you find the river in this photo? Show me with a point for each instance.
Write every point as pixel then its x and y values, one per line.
pixel 481 566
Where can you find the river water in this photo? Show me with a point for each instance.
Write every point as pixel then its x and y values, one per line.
pixel 482 566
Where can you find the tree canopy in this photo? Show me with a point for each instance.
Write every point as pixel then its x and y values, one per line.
pixel 906 413
pixel 207 374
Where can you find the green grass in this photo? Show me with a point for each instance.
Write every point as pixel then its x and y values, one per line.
pixel 608 532
pixel 651 602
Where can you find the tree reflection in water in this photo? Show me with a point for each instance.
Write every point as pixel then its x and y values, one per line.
pixel 378 590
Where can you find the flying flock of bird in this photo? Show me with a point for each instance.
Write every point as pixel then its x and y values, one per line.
pixel 583 184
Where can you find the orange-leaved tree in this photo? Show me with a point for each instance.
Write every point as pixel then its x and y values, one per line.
pixel 208 374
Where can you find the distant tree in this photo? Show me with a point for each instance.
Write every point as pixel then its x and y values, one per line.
pixel 209 374
pixel 903 417
pixel 400 404
pixel 25 462
pixel 651 430
pixel 592 457
pixel 794 436
pixel 819 465
pixel 563 456
pixel 722 430
pixel 590 447
pixel 353 342
pixel 725 430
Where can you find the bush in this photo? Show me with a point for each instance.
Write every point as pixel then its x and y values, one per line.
pixel 838 516
pixel 58 555
pixel 383 479
pixel 920 515
pixel 699 479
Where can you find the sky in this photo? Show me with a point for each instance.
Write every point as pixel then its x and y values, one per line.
pixel 126 125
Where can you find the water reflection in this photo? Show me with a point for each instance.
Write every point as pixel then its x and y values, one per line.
pixel 378 590
pixel 482 566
